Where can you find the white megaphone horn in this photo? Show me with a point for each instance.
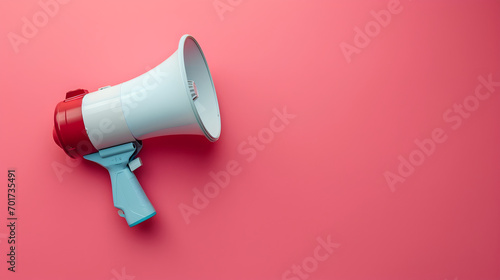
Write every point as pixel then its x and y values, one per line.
pixel 107 126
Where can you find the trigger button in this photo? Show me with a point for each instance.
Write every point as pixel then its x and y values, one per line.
pixel 134 164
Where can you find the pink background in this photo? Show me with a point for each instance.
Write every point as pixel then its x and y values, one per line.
pixel 321 177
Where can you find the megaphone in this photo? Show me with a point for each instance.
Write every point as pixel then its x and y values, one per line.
pixel 107 126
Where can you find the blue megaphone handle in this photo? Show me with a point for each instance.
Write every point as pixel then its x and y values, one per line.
pixel 128 195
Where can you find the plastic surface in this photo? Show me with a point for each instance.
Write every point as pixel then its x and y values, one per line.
pixel 134 164
pixel 69 129
pixel 104 118
pixel 159 102
pixel 128 195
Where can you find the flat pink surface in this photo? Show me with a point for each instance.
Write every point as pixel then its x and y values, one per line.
pixel 392 156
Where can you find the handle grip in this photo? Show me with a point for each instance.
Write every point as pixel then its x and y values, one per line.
pixel 128 195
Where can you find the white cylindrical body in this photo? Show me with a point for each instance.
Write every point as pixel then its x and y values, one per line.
pixel 104 118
